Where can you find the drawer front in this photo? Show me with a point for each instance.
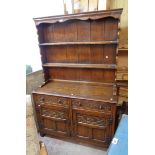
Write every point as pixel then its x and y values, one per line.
pixel 91 105
pixel 55 114
pixel 51 100
pixel 90 120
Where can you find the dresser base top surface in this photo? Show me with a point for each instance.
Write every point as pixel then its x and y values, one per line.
pixel 75 89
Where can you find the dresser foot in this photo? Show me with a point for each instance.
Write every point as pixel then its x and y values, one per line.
pixel 42 134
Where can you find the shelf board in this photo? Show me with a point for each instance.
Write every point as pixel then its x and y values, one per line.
pixel 79 43
pixel 123 49
pixel 75 65
pixel 122 69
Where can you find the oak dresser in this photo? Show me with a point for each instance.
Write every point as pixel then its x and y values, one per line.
pixel 78 98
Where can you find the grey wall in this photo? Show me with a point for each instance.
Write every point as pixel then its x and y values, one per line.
pixel 33 80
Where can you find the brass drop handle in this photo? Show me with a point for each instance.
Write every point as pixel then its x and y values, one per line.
pixel 42 99
pixel 60 101
pixel 39 105
pixel 79 104
pixel 100 107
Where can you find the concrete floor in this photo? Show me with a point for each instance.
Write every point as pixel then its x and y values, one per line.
pixel 59 147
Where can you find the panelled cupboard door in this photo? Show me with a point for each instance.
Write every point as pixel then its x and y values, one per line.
pixel 92 126
pixel 55 120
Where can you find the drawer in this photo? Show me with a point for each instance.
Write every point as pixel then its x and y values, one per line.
pixel 51 100
pixel 54 113
pixel 91 105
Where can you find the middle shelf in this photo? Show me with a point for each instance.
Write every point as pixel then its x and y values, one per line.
pixel 79 43
pixel 76 65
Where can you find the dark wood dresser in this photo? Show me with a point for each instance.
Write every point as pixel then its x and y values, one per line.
pixel 79 58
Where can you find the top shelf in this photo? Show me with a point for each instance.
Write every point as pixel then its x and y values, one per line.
pixel 79 43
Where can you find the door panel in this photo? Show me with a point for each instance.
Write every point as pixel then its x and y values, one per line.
pixel 56 119
pixel 48 124
pixel 92 127
pixel 98 134
pixel 83 131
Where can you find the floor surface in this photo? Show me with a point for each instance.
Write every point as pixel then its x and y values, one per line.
pixel 32 140
pixel 59 147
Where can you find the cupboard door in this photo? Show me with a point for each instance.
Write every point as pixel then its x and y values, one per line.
pixel 55 120
pixel 92 126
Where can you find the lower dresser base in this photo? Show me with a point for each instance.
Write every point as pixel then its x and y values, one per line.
pixel 80 120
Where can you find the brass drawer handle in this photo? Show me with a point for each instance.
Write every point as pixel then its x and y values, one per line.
pixel 76 103
pixel 60 101
pixel 42 99
pixel 80 104
pixel 39 105
pixel 102 107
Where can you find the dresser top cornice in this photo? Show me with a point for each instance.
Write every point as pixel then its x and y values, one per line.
pixel 115 13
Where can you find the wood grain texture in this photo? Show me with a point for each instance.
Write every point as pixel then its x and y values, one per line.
pixel 79 90
pixel 80 32
pixel 85 74
pixel 80 54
